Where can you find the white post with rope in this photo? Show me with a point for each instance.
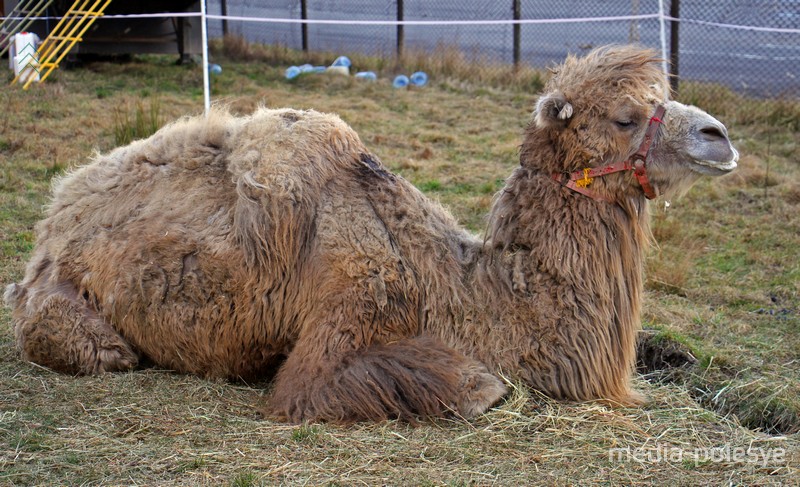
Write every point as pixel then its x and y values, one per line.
pixel 204 40
pixel 662 21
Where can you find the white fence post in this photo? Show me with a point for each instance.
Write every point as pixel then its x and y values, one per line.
pixel 204 37
pixel 663 23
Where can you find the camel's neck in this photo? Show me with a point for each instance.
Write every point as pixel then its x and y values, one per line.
pixel 562 273
pixel 533 207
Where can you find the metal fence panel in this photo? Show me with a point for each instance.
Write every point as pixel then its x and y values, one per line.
pixel 752 46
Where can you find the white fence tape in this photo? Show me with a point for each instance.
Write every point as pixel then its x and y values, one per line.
pixel 566 20
pixel 433 22
pixel 751 28
pixel 120 16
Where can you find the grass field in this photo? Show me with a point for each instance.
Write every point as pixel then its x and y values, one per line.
pixel 721 357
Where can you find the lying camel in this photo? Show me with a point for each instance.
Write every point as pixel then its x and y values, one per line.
pixel 277 244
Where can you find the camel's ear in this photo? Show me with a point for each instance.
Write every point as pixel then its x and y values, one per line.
pixel 552 110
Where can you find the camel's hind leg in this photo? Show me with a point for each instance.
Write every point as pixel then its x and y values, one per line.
pixel 325 378
pixel 55 328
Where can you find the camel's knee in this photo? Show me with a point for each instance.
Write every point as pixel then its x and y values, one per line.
pixel 68 337
pixel 41 342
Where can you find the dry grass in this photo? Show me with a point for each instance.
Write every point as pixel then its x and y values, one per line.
pixel 443 62
pixel 157 428
pixel 723 284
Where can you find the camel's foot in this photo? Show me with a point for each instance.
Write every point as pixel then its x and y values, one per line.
pixel 63 334
pixel 408 379
pixel 481 390
pixel 633 399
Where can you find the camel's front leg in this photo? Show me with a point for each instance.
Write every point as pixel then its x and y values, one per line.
pixel 328 377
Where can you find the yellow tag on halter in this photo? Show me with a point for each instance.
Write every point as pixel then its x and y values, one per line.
pixel 586 181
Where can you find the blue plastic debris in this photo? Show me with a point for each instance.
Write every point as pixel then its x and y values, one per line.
pixel 401 81
pixel 292 72
pixel 342 61
pixel 367 75
pixel 419 78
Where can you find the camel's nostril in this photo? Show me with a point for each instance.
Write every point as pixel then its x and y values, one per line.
pixel 712 133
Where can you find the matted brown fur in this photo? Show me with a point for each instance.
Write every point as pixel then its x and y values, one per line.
pixel 277 243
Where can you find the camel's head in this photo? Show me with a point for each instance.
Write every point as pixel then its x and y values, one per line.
pixel 596 111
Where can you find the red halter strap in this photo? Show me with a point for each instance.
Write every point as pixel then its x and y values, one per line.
pixel 579 181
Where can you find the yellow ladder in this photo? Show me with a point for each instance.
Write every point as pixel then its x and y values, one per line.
pixel 65 35
pixel 20 18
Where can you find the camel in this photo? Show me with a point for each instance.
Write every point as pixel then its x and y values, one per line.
pixel 275 246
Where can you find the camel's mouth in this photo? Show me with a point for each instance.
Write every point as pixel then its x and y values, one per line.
pixel 716 168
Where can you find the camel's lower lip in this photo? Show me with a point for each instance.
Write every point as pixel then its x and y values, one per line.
pixel 714 168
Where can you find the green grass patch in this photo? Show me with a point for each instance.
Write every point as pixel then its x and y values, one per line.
pixel 306 433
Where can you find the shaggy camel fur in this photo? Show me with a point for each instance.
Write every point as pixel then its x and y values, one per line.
pixel 277 243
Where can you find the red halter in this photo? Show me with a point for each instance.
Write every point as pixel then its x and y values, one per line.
pixel 580 180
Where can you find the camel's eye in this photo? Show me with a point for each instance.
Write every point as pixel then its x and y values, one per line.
pixel 625 124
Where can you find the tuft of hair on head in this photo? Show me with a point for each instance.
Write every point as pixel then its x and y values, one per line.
pixel 601 74
pixel 580 83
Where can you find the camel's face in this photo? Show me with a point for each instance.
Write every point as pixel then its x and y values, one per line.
pixel 690 143
pixel 597 112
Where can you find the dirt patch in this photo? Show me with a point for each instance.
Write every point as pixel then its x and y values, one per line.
pixel 660 358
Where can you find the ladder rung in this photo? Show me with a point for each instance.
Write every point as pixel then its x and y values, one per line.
pixel 65 38
pixel 84 12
